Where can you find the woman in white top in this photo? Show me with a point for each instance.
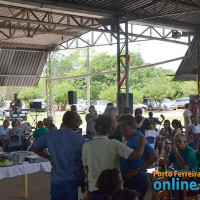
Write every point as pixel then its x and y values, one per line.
pixel 194 132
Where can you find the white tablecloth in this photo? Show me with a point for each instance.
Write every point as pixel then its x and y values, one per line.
pixel 24 168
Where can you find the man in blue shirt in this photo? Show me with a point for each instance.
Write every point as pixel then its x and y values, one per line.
pixel 134 171
pixel 65 152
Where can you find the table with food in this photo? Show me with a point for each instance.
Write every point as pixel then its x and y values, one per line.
pixel 22 163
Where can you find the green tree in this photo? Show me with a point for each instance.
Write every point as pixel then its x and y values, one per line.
pixel 109 94
pixel 158 89
pixel 61 92
pixel 33 92
pixel 137 96
pixel 189 87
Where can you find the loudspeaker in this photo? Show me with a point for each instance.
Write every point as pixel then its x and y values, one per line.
pixel 122 102
pixel 36 105
pixel 72 97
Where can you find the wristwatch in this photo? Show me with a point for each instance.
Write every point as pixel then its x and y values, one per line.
pixel 139 170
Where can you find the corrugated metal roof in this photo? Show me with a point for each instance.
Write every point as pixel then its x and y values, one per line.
pixel 187 70
pixel 181 14
pixel 28 65
pixel 136 9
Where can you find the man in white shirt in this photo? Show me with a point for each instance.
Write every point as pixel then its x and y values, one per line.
pixel 187 114
pixel 101 153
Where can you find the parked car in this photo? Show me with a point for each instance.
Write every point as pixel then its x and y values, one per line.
pixel 100 106
pixel 150 103
pixel 81 105
pixel 168 104
pixel 140 105
pixel 37 102
pixel 5 105
pixel 182 101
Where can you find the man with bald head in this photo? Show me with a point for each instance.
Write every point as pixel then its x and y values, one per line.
pixel 114 132
pixel 181 155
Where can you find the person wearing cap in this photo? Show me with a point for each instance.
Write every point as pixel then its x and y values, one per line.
pixel 154 121
pixel 50 125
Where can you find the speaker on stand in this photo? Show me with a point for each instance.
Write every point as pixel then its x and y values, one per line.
pixel 72 97
pixel 122 102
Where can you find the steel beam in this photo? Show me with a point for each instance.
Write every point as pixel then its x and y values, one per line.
pixel 62 7
pixel 39 31
pixel 116 71
pixel 42 47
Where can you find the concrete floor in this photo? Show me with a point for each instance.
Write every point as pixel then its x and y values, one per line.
pixel 38 186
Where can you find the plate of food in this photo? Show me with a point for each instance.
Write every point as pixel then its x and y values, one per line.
pixel 6 163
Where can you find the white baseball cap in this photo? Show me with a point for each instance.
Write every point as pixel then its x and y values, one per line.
pixel 50 118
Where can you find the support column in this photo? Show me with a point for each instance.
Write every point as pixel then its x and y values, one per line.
pixel 127 64
pixel 118 66
pixel 50 90
pixel 123 62
pixel 198 64
pixel 88 79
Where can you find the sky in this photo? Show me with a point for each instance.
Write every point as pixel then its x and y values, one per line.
pixel 153 51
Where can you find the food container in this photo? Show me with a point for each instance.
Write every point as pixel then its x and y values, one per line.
pixel 35 159
pixel 18 158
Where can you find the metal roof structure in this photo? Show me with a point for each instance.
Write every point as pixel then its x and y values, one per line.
pixel 21 68
pixel 187 70
pixel 41 26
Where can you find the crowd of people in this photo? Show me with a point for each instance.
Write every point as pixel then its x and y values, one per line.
pixel 114 154
pixel 112 159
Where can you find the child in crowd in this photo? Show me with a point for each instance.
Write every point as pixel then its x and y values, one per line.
pixel 151 134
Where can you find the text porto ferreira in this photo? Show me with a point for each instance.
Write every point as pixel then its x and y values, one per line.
pixel 177 180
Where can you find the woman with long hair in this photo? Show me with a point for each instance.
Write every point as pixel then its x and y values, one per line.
pixel 176 124
pixel 167 132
